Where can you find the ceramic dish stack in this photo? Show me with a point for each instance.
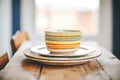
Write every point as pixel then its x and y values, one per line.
pixel 62 48
pixel 62 41
pixel 42 55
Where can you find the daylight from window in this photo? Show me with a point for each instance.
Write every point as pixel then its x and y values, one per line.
pixel 67 14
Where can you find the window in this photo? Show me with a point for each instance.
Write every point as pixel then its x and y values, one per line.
pixel 31 13
pixel 67 14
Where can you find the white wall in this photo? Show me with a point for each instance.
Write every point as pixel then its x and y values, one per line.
pixel 5 25
pixel 28 19
pixel 27 16
pixel 105 35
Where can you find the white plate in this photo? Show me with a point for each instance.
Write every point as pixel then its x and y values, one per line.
pixel 61 61
pixel 28 53
pixel 82 51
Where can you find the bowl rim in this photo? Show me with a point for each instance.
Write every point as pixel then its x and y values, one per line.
pixel 62 31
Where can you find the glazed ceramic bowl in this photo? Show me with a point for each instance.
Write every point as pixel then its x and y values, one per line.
pixel 62 41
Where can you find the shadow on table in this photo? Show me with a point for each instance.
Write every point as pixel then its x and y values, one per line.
pixel 30 65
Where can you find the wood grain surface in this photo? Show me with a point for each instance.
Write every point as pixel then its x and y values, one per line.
pixel 106 67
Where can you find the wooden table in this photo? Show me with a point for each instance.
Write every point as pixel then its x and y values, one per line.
pixel 106 67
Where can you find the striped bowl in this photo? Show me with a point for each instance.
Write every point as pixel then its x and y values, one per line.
pixel 63 41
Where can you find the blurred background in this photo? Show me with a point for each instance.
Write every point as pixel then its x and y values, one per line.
pixel 97 19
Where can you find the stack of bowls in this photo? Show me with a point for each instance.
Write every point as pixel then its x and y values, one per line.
pixel 62 41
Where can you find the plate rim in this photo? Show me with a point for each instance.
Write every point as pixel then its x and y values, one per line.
pixel 62 63
pixel 54 55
